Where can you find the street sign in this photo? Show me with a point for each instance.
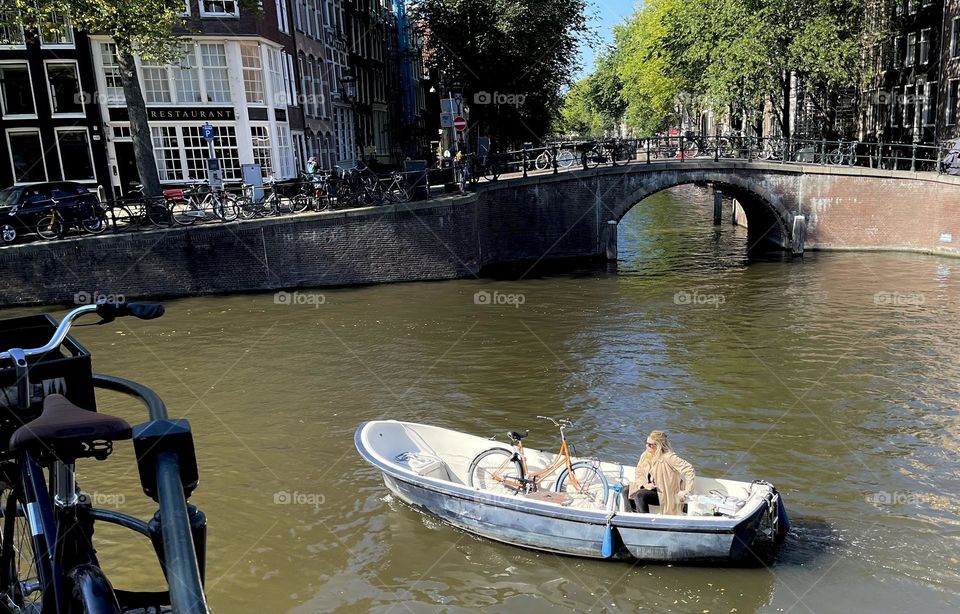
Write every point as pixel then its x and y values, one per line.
pixel 446 120
pixel 460 124
pixel 208 132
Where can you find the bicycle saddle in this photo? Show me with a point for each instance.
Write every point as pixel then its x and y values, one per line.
pixel 518 435
pixel 62 422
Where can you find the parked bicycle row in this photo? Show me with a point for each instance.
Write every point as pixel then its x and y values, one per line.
pixel 591 154
pixel 56 210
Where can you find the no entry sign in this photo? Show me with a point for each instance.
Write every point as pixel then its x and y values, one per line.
pixel 460 124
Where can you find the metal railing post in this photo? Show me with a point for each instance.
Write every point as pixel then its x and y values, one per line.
pixel 880 156
pixel 583 158
pixel 823 152
pixel 525 161
pixel 716 144
pixel 555 154
pixel 913 158
pixel 648 148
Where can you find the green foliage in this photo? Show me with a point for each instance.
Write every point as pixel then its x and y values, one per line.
pixel 577 115
pixel 526 50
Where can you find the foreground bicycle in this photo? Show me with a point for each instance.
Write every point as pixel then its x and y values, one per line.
pixel 48 558
pixel 499 467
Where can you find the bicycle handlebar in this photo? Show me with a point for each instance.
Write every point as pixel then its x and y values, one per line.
pixel 561 422
pixel 107 312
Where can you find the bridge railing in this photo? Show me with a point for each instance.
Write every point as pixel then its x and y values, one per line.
pixel 564 155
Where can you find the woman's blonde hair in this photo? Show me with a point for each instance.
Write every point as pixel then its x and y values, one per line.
pixel 663 446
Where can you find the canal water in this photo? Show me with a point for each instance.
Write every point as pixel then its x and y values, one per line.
pixel 834 377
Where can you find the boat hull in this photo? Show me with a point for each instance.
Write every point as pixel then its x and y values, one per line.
pixel 530 523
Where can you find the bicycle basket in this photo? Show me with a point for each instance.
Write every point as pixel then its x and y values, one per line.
pixel 287 189
pixel 67 371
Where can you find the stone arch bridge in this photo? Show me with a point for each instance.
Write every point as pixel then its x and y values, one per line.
pixel 789 207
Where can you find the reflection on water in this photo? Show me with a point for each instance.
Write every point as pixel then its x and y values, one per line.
pixel 833 377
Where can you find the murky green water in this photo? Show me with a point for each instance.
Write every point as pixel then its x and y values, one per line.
pixel 834 377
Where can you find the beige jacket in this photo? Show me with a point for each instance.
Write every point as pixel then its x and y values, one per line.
pixel 671 474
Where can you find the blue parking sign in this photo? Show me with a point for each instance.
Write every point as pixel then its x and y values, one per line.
pixel 208 132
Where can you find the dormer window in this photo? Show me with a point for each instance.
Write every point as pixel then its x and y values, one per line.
pixel 219 8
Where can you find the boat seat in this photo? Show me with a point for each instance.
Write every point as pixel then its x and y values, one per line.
pixel 63 423
pixel 427 465
pixel 517 435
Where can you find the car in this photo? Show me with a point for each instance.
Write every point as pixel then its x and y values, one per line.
pixel 33 208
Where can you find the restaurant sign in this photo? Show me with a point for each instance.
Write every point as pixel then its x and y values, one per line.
pixel 178 114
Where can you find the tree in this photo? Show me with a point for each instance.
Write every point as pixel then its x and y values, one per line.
pixel 605 89
pixel 577 115
pixel 510 59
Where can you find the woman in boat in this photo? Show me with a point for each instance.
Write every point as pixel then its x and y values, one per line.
pixel 662 478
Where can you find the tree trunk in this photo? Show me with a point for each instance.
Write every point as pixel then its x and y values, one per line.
pixel 139 129
pixel 785 124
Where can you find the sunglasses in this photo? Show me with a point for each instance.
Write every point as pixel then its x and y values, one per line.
pixel 651 445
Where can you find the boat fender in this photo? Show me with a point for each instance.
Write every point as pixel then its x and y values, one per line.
pixel 783 522
pixel 607 549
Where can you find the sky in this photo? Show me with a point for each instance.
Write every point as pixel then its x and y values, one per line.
pixel 604 14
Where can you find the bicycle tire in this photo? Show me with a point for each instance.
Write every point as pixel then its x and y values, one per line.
pixel 225 208
pixel 50 227
pixel 123 219
pixel 158 212
pixel 592 483
pixel 183 212
pixel 542 162
pixel 300 203
pixel 93 219
pixel 566 158
pixel 18 566
pixel 480 475
pixel 246 208
pixel 835 157
pixel 595 156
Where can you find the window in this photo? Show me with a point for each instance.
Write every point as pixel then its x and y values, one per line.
pixel 285 151
pixel 897 52
pixel 305 86
pixel 954 33
pixel 290 77
pixel 896 110
pixel 166 150
pixel 912 6
pixel 196 151
pixel 121 133
pixel 156 83
pixel 924 46
pixel 76 157
pixel 952 93
pixel 929 105
pixel 11 34
pixel 252 72
pixel 186 77
pixel 111 73
pixel 219 8
pixel 64 83
pixel 282 21
pixel 26 155
pixel 58 32
pixel 911 50
pixel 214 59
pixel 16 92
pixel 260 135
pixel 278 92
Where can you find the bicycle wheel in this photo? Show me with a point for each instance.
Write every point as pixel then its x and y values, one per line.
pixel 595 156
pixel 50 226
pixel 300 203
pixel 542 162
pixel 246 208
pixel 835 157
pixel 226 208
pixel 183 212
pixel 399 191
pixel 495 470
pixel 158 212
pixel 123 219
pixel 566 158
pixel 20 585
pixel 690 149
pixel 93 219
pixel 584 480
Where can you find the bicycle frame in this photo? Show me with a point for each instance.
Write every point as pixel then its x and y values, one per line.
pixel 531 480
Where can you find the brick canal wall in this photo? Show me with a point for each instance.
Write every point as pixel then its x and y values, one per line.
pixel 524 220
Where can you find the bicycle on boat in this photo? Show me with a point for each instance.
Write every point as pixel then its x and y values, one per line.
pixel 499 468
pixel 48 555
